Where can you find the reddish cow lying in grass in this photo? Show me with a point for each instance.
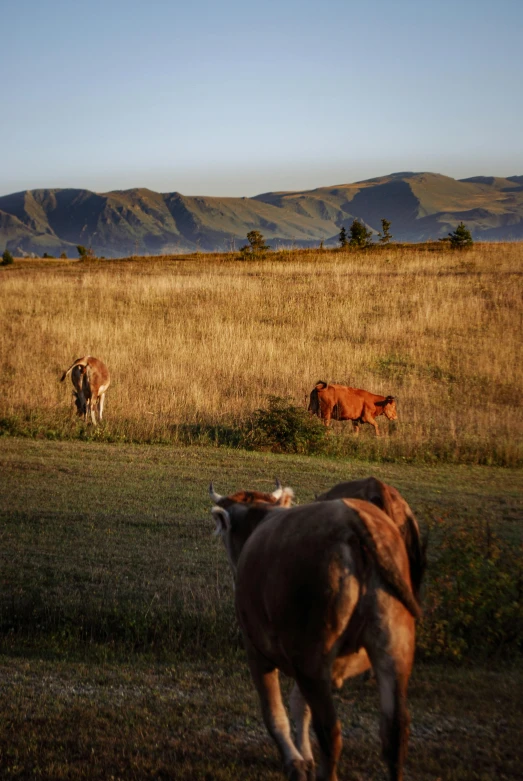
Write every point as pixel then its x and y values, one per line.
pixel 90 378
pixel 320 590
pixel 343 403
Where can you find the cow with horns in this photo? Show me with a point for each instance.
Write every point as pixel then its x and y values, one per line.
pixel 322 592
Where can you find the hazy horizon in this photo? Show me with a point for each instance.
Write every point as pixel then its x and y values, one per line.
pixel 235 101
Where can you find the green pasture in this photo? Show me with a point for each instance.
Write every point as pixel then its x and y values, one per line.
pixel 119 652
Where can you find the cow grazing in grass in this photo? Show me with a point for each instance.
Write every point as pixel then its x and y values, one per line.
pixel 343 403
pixel 388 499
pixel 321 589
pixel 90 378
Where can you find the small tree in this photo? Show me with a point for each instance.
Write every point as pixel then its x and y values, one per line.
pixel 7 258
pixel 63 255
pixel 385 235
pixel 359 235
pixel 82 251
pixel 461 237
pixel 256 246
pixel 343 238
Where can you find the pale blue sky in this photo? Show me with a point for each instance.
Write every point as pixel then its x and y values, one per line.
pixel 237 98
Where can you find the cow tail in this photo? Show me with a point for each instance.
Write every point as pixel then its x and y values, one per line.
pixel 417 553
pixel 383 555
pixel 78 362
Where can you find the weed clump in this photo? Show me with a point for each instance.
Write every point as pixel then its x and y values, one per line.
pixel 473 608
pixel 283 427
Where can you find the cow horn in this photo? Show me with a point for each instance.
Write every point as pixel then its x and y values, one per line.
pixel 214 496
pixel 279 489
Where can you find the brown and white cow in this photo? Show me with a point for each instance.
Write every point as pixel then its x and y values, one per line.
pixel 90 378
pixel 321 589
pixel 388 499
pixel 343 403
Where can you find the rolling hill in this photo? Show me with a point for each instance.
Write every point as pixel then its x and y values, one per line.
pixel 421 206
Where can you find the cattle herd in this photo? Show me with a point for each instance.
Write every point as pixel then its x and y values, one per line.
pixel 323 591
pixel 90 378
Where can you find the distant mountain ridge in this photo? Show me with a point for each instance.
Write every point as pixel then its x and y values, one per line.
pixel 420 206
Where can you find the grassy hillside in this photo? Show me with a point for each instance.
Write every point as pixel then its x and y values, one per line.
pixel 421 206
pixel 196 346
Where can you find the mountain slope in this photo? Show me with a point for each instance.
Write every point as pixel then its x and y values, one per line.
pixel 420 206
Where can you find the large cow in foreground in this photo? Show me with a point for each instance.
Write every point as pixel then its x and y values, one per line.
pixel 388 499
pixel 320 590
pixel 343 403
pixel 90 378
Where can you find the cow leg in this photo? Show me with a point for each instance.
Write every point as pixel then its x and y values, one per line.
pixel 392 668
pixel 101 400
pixel 318 695
pixel 367 418
pixel 301 714
pixel 356 426
pixel 92 405
pixel 267 683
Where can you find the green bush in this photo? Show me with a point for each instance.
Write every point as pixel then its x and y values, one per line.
pixel 7 258
pixel 473 605
pixel 461 238
pixel 256 248
pixel 285 428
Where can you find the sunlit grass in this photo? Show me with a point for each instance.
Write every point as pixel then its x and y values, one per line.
pixel 206 341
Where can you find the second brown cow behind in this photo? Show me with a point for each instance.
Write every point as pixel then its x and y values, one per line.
pixel 343 403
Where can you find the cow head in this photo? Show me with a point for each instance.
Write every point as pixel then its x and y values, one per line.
pixel 389 408
pixel 237 516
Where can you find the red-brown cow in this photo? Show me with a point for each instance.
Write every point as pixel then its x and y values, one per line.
pixel 343 403
pixel 322 591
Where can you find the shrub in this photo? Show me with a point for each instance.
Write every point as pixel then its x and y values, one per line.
pixel 343 239
pixel 360 236
pixel 256 248
pixel 385 234
pixel 285 428
pixel 7 258
pixel 461 237
pixel 473 605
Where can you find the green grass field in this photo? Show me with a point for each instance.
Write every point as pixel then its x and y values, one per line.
pixel 119 652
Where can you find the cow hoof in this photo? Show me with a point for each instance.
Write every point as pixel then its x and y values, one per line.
pixel 298 770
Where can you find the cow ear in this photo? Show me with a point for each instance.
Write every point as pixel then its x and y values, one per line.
pixel 222 519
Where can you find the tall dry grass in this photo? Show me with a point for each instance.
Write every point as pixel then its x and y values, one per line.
pixel 207 340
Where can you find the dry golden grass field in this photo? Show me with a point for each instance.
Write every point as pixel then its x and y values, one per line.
pixel 202 342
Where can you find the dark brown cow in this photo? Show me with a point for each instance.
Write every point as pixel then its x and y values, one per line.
pixel 343 403
pixel 90 378
pixel 388 499
pixel 320 590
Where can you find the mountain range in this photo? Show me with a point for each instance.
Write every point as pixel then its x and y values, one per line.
pixel 420 206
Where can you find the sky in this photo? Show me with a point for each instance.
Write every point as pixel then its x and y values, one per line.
pixel 236 98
